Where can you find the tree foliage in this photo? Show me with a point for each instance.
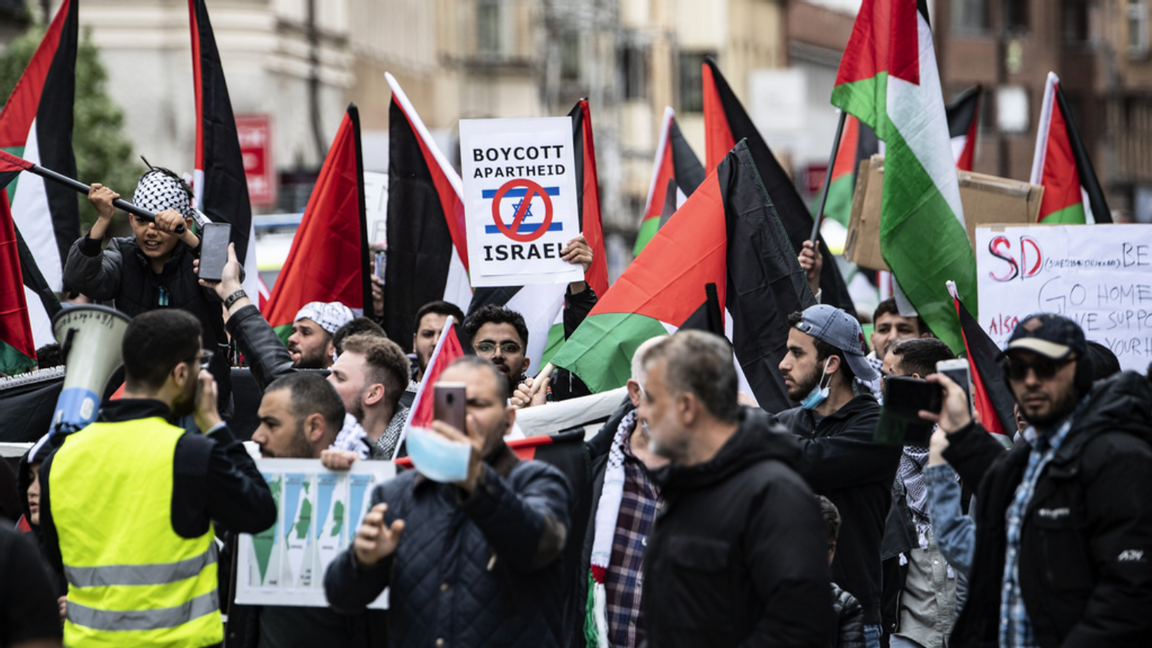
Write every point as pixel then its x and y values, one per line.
pixel 103 153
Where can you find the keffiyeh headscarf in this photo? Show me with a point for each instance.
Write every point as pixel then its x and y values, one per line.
pixel 330 316
pixel 160 190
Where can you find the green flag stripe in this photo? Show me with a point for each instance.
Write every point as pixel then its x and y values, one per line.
pixel 283 331
pixel 647 230
pixel 600 351
pixel 1070 215
pixel 12 361
pixel 839 205
pixel 555 341
pixel 867 100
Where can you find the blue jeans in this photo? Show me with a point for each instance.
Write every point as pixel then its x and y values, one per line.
pixel 871 636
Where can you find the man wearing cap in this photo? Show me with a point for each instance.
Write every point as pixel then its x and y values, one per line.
pixel 311 344
pixel 835 424
pixel 1064 525
pixel 154 269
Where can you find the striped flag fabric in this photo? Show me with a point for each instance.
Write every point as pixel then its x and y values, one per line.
pixel 36 125
pixel 328 260
pixel 963 126
pixel 427 237
pixel 218 179
pixel 675 176
pixel 448 349
pixel 17 347
pixel 857 143
pixel 889 80
pixel 1072 193
pixel 726 234
pixel 725 123
pixel 994 403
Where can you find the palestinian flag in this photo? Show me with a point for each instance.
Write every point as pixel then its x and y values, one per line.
pixel 17 348
pixel 725 123
pixel 36 124
pixel 1062 166
pixel 542 305
pixel 676 175
pixel 219 181
pixel 857 143
pixel 728 234
pixel 994 403
pixel 329 253
pixel 888 79
pixel 963 125
pixel 427 237
pixel 447 350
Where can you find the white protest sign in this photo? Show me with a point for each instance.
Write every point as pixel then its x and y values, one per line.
pixel 317 514
pixel 520 200
pixel 1100 276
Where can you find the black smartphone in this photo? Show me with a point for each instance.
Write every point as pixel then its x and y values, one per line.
pixel 214 250
pixel 958 371
pixel 900 422
pixel 448 405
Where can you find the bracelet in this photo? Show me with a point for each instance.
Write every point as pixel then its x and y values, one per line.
pixel 233 298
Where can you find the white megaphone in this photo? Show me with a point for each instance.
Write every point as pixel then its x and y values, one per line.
pixel 90 338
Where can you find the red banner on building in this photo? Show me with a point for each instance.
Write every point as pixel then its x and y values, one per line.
pixel 255 134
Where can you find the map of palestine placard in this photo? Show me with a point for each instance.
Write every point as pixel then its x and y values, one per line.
pixel 318 512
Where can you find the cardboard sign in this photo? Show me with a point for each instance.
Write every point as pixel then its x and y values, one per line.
pixel 520 200
pixel 1100 276
pixel 317 514
pixel 986 200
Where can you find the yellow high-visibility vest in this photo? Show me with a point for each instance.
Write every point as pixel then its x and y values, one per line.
pixel 132 580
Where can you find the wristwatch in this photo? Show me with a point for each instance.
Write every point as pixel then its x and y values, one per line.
pixel 233 298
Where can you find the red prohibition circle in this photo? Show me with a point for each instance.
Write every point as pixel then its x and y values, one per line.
pixel 531 190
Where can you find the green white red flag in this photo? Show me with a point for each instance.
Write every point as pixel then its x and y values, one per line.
pixel 1061 164
pixel 889 80
pixel 329 254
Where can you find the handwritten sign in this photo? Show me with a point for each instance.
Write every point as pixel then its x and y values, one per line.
pixel 519 179
pixel 1100 276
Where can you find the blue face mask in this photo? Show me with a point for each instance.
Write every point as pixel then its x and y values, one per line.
pixel 819 392
pixel 438 458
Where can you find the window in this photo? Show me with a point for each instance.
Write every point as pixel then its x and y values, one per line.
pixel 692 81
pixel 489 32
pixel 970 16
pixel 634 70
pixel 1075 21
pixel 1016 16
pixel 570 59
pixel 1138 28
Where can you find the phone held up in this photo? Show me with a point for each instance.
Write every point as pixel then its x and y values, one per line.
pixel 448 405
pixel 957 371
pixel 214 250
pixel 900 422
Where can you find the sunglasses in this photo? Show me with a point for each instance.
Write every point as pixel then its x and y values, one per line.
pixel 507 348
pixel 1044 368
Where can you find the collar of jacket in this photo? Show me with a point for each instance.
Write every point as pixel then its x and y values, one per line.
pixel 502 460
pixel 130 409
pixel 171 266
pixel 757 438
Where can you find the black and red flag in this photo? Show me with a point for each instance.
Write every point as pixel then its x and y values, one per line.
pixel 725 123
pixel 675 176
pixel 990 395
pixel 219 181
pixel 427 236
pixel 963 126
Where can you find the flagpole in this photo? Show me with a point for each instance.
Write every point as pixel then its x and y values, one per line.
pixel 448 322
pixel 828 176
pixel 80 187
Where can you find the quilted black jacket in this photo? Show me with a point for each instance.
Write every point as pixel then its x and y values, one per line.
pixel 849 619
pixel 480 572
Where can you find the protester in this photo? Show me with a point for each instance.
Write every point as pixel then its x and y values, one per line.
pixel 371 377
pixel 300 415
pixel 624 502
pixel 311 343
pixel 888 325
pixel 500 336
pixel 849 613
pixel 835 425
pixel 155 268
pixel 28 483
pixel 469 563
pixel 925 589
pixel 430 321
pixel 355 326
pixel 28 617
pixel 161 491
pixel 1063 525
pixel 738 554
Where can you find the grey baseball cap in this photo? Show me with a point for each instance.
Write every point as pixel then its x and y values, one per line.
pixel 833 326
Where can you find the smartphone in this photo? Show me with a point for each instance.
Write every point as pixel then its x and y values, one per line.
pixel 900 422
pixel 958 371
pixel 381 265
pixel 214 250
pixel 448 404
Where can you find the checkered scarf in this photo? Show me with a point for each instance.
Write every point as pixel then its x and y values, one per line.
pixel 607 512
pixel 159 191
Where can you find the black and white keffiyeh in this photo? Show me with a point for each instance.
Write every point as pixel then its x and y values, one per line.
pixel 159 191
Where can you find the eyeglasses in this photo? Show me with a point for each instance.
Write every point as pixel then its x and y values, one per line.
pixel 1044 368
pixel 204 360
pixel 507 348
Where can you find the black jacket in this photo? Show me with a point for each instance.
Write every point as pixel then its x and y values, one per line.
pixel 849 619
pixel 841 462
pixel 122 274
pixel 1086 548
pixel 738 554
pixel 266 356
pixel 482 571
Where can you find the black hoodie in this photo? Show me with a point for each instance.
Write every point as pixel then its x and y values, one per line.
pixel 36 455
pixel 738 553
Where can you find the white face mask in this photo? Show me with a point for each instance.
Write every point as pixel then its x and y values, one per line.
pixel 438 458
pixel 820 392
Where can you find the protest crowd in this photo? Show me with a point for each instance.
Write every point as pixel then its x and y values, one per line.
pixel 717 449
